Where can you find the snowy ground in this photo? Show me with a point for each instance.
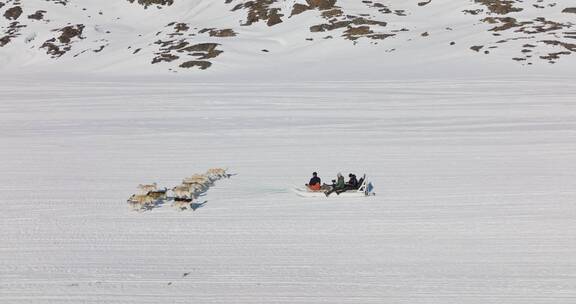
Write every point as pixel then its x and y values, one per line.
pixel 476 184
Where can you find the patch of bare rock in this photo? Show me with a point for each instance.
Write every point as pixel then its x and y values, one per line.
pixel 504 23
pixel 259 10
pixel 38 15
pixel 147 3
pixel 500 7
pixel 353 27
pixel 62 2
pixel 58 46
pixel 185 42
pixel 13 13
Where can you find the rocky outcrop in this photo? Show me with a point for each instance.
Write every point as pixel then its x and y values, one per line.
pixel 38 15
pixel 196 63
pixel 13 13
pixel 500 7
pixel 58 46
pixel 260 10
pixel 147 3
pixel 321 4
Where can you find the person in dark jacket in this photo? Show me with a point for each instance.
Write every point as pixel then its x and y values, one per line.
pixel 353 181
pixel 338 185
pixel 352 184
pixel 314 183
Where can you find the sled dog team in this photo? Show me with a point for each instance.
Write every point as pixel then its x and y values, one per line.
pixel 191 187
pixel 338 185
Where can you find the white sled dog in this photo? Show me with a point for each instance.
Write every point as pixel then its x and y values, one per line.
pixel 195 187
pixel 182 191
pixel 145 188
pixel 140 201
pixel 158 194
pixel 217 173
pixel 198 178
pixel 182 205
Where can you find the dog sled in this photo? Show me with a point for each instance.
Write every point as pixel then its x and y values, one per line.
pixel 365 189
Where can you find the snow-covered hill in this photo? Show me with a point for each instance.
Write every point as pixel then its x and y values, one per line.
pixel 233 35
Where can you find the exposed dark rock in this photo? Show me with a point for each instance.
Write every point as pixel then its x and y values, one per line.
pixel 298 9
pixel 4 40
pixel 332 13
pixel 53 49
pixel 70 32
pixel 473 12
pixel 568 46
pixel 321 4
pixel 98 50
pixel 13 13
pixel 329 26
pixel 181 27
pixel 203 50
pixel 222 33
pixel 500 7
pixel 38 15
pixel 274 17
pixel 196 63
pixel 257 10
pixel 63 2
pixel 506 23
pixel 218 33
pixel 61 45
pixel 553 56
pixel 541 25
pixel 353 33
pixel 363 21
pixel 164 57
pixel 147 3
pixel 380 36
pixel 476 48
pixel 174 46
pixel 424 3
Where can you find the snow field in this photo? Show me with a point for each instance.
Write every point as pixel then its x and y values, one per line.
pixel 475 192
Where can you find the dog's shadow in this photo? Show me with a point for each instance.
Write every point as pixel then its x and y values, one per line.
pixel 167 202
pixel 196 206
pixel 190 206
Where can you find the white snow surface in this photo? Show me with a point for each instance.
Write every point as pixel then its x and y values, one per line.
pixel 475 183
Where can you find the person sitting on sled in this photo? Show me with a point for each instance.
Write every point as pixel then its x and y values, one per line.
pixel 338 185
pixel 315 183
pixel 352 184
